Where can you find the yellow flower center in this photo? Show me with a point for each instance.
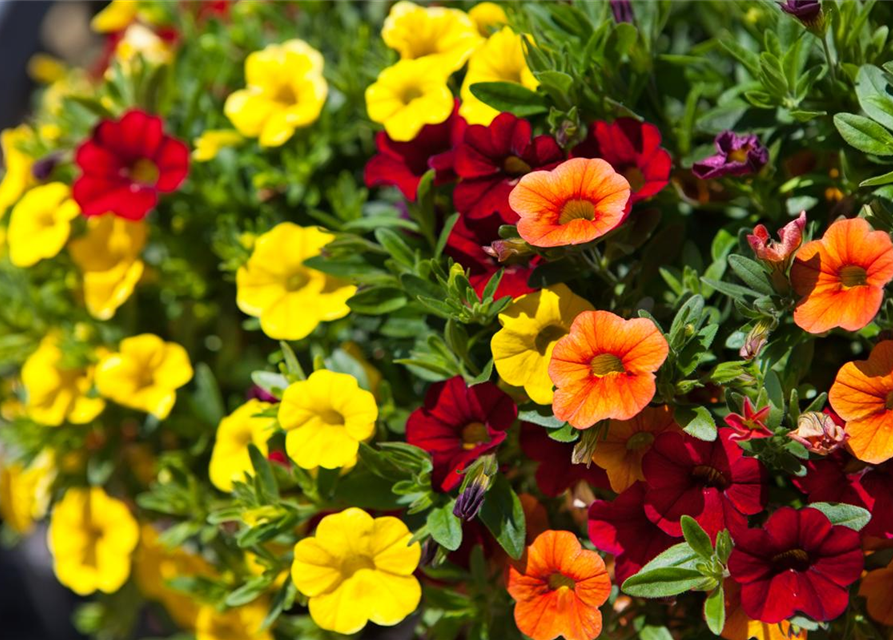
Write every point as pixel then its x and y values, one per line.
pixel 332 417
pixel 852 276
pixel 640 440
pixel 474 434
pixel 93 537
pixel 794 559
pixel 411 93
pixel 635 177
pixel 547 336
pixel 286 94
pixel 740 155
pixel 605 364
pixel 576 210
pixel 296 281
pixel 515 166
pixel 45 219
pixel 561 581
pixel 144 171
pixel 352 564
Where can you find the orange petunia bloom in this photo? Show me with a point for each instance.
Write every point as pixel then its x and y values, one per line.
pixel 875 588
pixel 578 201
pixel 862 394
pixel 604 368
pixel 841 277
pixel 558 587
pixel 626 443
pixel 740 627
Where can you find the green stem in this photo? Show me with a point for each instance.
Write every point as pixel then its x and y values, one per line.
pixel 831 65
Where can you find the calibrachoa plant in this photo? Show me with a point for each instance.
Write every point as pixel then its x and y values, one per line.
pixel 477 321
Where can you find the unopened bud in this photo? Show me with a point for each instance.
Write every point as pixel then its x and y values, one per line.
pixel 818 433
pixel 470 501
pixel 507 250
pixel 757 338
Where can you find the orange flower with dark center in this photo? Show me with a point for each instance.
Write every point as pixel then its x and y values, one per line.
pixel 558 588
pixel 578 201
pixel 604 368
pixel 841 277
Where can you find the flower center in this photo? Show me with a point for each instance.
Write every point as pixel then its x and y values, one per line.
pixel 515 166
pixel 635 177
pixel 740 155
pixel 710 476
pixel 144 171
pixel 352 564
pixel 640 441
pixel 852 276
pixel 332 417
pixel 547 336
pixel 93 535
pixel 888 402
pixel 561 581
pixel 793 559
pixel 297 280
pixel 576 210
pixel 410 94
pixel 605 364
pixel 285 94
pixel 474 434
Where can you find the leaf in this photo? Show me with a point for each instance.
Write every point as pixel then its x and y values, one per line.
pixel 396 246
pixel 510 96
pixel 448 225
pixel 847 515
pixel 696 537
pixel 248 591
pixel 878 181
pixel 378 301
pixel 663 582
pixel 650 632
pixel 679 555
pixel 875 94
pixel 732 290
pixel 263 472
pixel 445 527
pixel 534 416
pixel 751 273
pixel 715 610
pixel 696 422
pixel 567 433
pixel 504 517
pixel 864 134
pixel 207 401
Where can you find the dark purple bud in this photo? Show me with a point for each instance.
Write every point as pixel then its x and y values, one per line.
pixel 259 393
pixel 429 552
pixel 736 156
pixel 623 10
pixel 469 502
pixel 809 12
pixel 43 168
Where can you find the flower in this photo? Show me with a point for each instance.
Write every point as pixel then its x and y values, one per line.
pixel 499 59
pixel 209 144
pixel 740 627
pixel 531 327
pixel 633 149
pixel 289 298
pixel 125 164
pixel 144 374
pixel 778 254
pixel 489 162
pixel 736 156
pixel 604 368
pixel 487 16
pixel 875 588
pixel 138 44
pixel 458 424
pixel 555 471
pixel 91 538
pixel 18 178
pixel 402 164
pixel 622 11
pixel 40 224
pixel 58 392
pixel 108 257
pixel 841 277
pixel 578 201
pixel 25 491
pixel 116 16
pixel 238 623
pixel 357 570
pixel 558 588
pixel 409 95
pixel 797 561
pixel 713 482
pixel 750 425
pixel 445 36
pixel 819 433
pixel 325 418
pixel 230 459
pixel 809 12
pixel 626 442
pixel 285 90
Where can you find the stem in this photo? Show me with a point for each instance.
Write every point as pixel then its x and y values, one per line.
pixel 831 66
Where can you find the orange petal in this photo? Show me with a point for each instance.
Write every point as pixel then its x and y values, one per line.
pixel 875 588
pixel 829 307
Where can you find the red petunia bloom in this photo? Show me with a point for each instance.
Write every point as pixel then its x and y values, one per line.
pixel 126 163
pixel 713 482
pixel 490 161
pixel 798 561
pixel 633 149
pixel 555 473
pixel 402 164
pixel 458 424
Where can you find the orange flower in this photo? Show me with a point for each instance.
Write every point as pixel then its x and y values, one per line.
pixel 604 368
pixel 875 588
pixel 740 627
pixel 620 453
pixel 862 394
pixel 841 277
pixel 558 588
pixel 578 201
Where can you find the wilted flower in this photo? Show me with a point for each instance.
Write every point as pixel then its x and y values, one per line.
pixel 505 250
pixel 818 433
pixel 736 156
pixel 778 254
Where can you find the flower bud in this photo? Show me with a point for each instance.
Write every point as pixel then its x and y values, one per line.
pixel 818 433
pixel 808 12
pixel 469 502
pixel 507 250
pixel 757 338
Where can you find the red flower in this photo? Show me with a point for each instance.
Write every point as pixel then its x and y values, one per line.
pixel 713 482
pixel 798 561
pixel 126 164
pixel 555 473
pixel 490 161
pixel 402 164
pixel 633 149
pixel 458 424
pixel 750 425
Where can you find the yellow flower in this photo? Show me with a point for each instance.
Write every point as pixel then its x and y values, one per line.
pixel 531 326
pixel 46 69
pixel 229 459
pixel 108 258
pixel 325 418
pixel 209 144
pixel 140 42
pixel 92 537
pixel 500 59
pixel 25 491
pixel 289 298
pixel 409 95
pixel 117 16
pixel 240 623
pixel 145 374
pixel 446 36
pixel 18 177
pixel 285 90
pixel 487 16
pixel 358 569
pixel 56 393
pixel 40 224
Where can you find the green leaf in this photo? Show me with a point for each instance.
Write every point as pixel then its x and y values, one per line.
pixel 696 422
pixel 263 472
pixel 504 517
pixel 715 610
pixel 663 582
pixel 445 528
pixel 875 94
pixel 249 591
pixel 864 134
pixel 448 225
pixel 878 181
pixel 567 433
pixel 396 246
pixel 207 401
pixel 732 290
pixel 847 515
pixel 650 632
pixel 679 555
pixel 534 416
pixel 751 273
pixel 377 301
pixel 510 96
pixel 696 537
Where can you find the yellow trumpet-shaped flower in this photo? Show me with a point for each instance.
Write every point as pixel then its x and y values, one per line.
pixel 325 418
pixel 446 36
pixel 230 459
pixel 145 374
pixel 209 144
pixel 46 69
pixel 285 91
pixel 25 491
pixel 289 298
pixel 92 537
pixel 487 16
pixel 141 42
pixel 240 623
pixel 117 16
pixel 18 177
pixel 358 569
pixel 40 224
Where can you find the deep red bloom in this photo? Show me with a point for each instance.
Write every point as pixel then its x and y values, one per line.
pixel 798 561
pixel 633 149
pixel 490 161
pixel 752 424
pixel 126 163
pixel 458 424
pixel 402 164
pixel 555 472
pixel 713 482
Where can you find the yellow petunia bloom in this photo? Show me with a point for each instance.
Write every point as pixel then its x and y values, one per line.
pixel 209 144
pixel 40 224
pixel 409 95
pixel 92 537
pixel 56 393
pixel 285 91
pixel 531 326
pixel 18 177
pixel 358 569
pixel 145 374
pixel 325 418
pixel 230 459
pixel 108 257
pixel 46 69
pixel 487 16
pixel 500 59
pixel 140 42
pixel 445 36
pixel 117 16
pixel 240 623
pixel 289 298
pixel 25 491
